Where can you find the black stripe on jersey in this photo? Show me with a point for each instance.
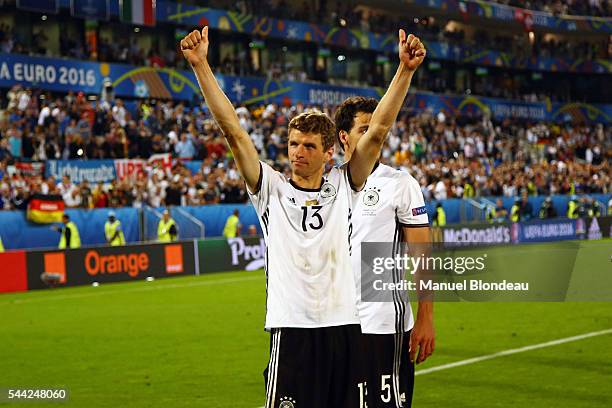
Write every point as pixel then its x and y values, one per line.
pixel 265 218
pixel 400 310
pixel 412 225
pixel 395 303
pixel 266 272
pixel 401 275
pixel 350 231
pixel 397 274
pixel 259 180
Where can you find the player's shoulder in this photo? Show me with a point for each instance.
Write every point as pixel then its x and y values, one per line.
pixel 338 172
pixel 342 167
pixel 271 171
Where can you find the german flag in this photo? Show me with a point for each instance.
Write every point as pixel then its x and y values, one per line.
pixel 45 209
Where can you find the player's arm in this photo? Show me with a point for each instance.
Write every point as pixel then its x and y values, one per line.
pixel 422 337
pixel 367 151
pixel 195 50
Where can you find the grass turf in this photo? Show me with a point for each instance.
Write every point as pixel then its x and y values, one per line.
pixel 199 342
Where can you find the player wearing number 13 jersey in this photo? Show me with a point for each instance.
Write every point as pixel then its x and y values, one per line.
pixel 311 308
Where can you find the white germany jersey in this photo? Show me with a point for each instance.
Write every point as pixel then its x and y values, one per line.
pixel 308 267
pixel 390 200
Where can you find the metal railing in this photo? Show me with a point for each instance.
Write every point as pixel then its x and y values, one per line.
pixel 188 225
pixel 150 221
pixel 472 211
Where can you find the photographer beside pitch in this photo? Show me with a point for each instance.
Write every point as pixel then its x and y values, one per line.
pixel 311 307
pixel 390 209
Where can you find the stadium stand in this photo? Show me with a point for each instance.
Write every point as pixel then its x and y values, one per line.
pixel 445 154
pixel 453 155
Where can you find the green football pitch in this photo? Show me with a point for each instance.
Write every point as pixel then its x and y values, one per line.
pixel 199 342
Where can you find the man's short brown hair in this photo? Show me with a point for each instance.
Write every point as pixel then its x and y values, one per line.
pixel 315 122
pixel 347 110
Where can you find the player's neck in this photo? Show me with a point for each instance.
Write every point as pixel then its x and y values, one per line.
pixel 312 182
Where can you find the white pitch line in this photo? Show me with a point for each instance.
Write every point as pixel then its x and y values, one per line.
pixel 95 292
pixel 513 351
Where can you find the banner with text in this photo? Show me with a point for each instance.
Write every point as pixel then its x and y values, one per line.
pixel 140 82
pixel 95 171
pixel 234 254
pixel 85 266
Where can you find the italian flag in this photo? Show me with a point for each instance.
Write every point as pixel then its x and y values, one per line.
pixel 139 12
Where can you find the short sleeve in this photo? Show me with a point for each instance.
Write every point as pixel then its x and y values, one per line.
pixel 411 210
pixel 269 179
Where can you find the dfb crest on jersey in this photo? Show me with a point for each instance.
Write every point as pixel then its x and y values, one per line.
pixel 370 196
pixel 327 190
pixel 287 402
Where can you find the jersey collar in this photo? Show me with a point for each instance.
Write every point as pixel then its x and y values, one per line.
pixel 308 190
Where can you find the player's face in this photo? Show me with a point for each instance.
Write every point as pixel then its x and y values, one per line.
pixel 306 153
pixel 360 126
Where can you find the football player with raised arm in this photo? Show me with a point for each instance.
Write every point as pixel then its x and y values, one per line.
pixel 391 209
pixel 311 306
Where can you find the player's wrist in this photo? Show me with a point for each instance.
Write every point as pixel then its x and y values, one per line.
pixel 425 310
pixel 404 69
pixel 198 62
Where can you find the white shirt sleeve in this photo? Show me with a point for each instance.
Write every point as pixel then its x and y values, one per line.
pixel 269 179
pixel 411 210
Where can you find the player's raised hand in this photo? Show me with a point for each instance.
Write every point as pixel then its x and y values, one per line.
pixel 411 50
pixel 195 46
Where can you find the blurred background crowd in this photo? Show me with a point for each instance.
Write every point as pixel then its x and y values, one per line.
pixel 451 157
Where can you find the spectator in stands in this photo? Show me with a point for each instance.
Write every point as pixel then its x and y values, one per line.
pixel 185 148
pixel 73 198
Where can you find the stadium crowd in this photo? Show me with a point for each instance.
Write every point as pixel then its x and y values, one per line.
pixel 601 8
pixel 449 156
pixel 127 49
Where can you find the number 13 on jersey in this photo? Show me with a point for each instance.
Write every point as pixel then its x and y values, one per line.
pixel 311 217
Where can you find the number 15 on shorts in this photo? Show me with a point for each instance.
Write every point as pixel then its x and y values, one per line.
pixel 385 392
